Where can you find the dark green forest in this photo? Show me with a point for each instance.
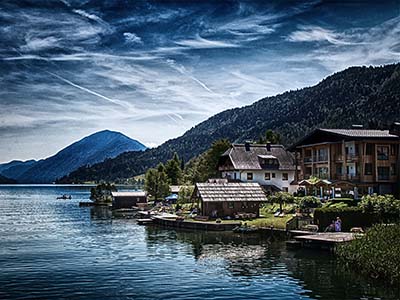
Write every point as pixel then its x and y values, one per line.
pixel 368 96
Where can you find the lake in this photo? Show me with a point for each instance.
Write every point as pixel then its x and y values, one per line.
pixel 53 249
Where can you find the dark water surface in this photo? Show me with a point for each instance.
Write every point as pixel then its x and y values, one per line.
pixel 52 249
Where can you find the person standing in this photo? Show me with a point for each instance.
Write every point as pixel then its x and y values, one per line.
pixel 338 224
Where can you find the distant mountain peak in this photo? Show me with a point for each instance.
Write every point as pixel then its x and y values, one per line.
pixel 89 150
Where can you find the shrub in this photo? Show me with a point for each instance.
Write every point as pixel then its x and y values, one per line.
pixel 386 206
pixel 308 202
pixel 375 254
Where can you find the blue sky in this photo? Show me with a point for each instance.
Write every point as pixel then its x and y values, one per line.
pixel 152 70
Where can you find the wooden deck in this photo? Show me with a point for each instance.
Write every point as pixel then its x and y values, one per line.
pixel 325 240
pixel 328 237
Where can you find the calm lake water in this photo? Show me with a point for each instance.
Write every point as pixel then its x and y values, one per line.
pixel 52 249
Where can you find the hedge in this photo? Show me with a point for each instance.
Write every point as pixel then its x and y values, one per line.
pixel 350 216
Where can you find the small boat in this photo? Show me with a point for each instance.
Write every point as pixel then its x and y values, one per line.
pixel 64 197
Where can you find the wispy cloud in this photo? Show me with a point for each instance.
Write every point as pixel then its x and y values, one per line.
pixel 318 34
pixel 202 43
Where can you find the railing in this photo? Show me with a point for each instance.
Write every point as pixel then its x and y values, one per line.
pixel 352 156
pixel 322 158
pixel 307 159
pixel 339 157
pixel 383 177
pixel 346 177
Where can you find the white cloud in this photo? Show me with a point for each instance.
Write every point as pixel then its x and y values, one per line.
pixel 317 34
pixel 132 38
pixel 37 44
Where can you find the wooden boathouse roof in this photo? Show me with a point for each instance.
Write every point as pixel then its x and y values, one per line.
pixel 230 191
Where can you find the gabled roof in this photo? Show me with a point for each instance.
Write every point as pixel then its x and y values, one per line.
pixel 324 135
pixel 243 159
pixel 129 194
pixel 232 192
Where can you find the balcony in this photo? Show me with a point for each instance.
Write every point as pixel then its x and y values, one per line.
pixel 352 157
pixel 346 177
pixel 339 158
pixel 322 158
pixel 307 159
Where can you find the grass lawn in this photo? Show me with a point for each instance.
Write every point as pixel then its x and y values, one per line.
pixel 269 220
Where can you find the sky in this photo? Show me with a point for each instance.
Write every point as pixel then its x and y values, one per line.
pixel 154 69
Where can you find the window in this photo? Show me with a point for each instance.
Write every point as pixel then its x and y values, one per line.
pixel 322 172
pixel 231 204
pixel 383 152
pixel 273 175
pixel 267 176
pixel 285 176
pixel 369 149
pixel 368 169
pixel 322 154
pixel 339 169
pixel 393 169
pixel 308 171
pixel 245 205
pixel 249 176
pixel 383 173
pixel 393 150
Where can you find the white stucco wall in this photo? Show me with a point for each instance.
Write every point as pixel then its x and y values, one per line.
pixel 259 176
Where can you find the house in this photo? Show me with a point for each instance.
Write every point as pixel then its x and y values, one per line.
pixel 362 161
pixel 222 199
pixel 128 199
pixel 269 165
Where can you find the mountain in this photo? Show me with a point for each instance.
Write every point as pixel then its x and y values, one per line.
pixel 16 168
pixel 369 96
pixel 15 163
pixel 88 151
pixel 5 180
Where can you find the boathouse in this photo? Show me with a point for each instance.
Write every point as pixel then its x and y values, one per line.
pixel 223 199
pixel 128 199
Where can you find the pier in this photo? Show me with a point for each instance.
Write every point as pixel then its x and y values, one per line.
pixel 323 240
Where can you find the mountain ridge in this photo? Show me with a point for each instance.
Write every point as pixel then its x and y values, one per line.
pixel 86 151
pixel 358 95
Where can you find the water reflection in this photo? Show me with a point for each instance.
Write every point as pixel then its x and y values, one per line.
pixel 53 249
pixel 254 257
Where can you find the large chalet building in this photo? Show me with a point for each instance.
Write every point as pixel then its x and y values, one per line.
pixel 269 165
pixel 367 160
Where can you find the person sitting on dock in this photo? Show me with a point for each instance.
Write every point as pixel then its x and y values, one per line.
pixel 331 227
pixel 338 225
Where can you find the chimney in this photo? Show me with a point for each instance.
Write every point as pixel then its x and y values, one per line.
pixel 395 128
pixel 247 146
pixel 268 146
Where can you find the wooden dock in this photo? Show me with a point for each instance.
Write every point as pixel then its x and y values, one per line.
pixel 194 225
pixel 325 240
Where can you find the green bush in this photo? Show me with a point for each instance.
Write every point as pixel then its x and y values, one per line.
pixel 386 206
pixel 308 202
pixel 375 254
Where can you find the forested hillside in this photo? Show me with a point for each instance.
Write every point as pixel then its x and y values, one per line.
pixel 359 95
